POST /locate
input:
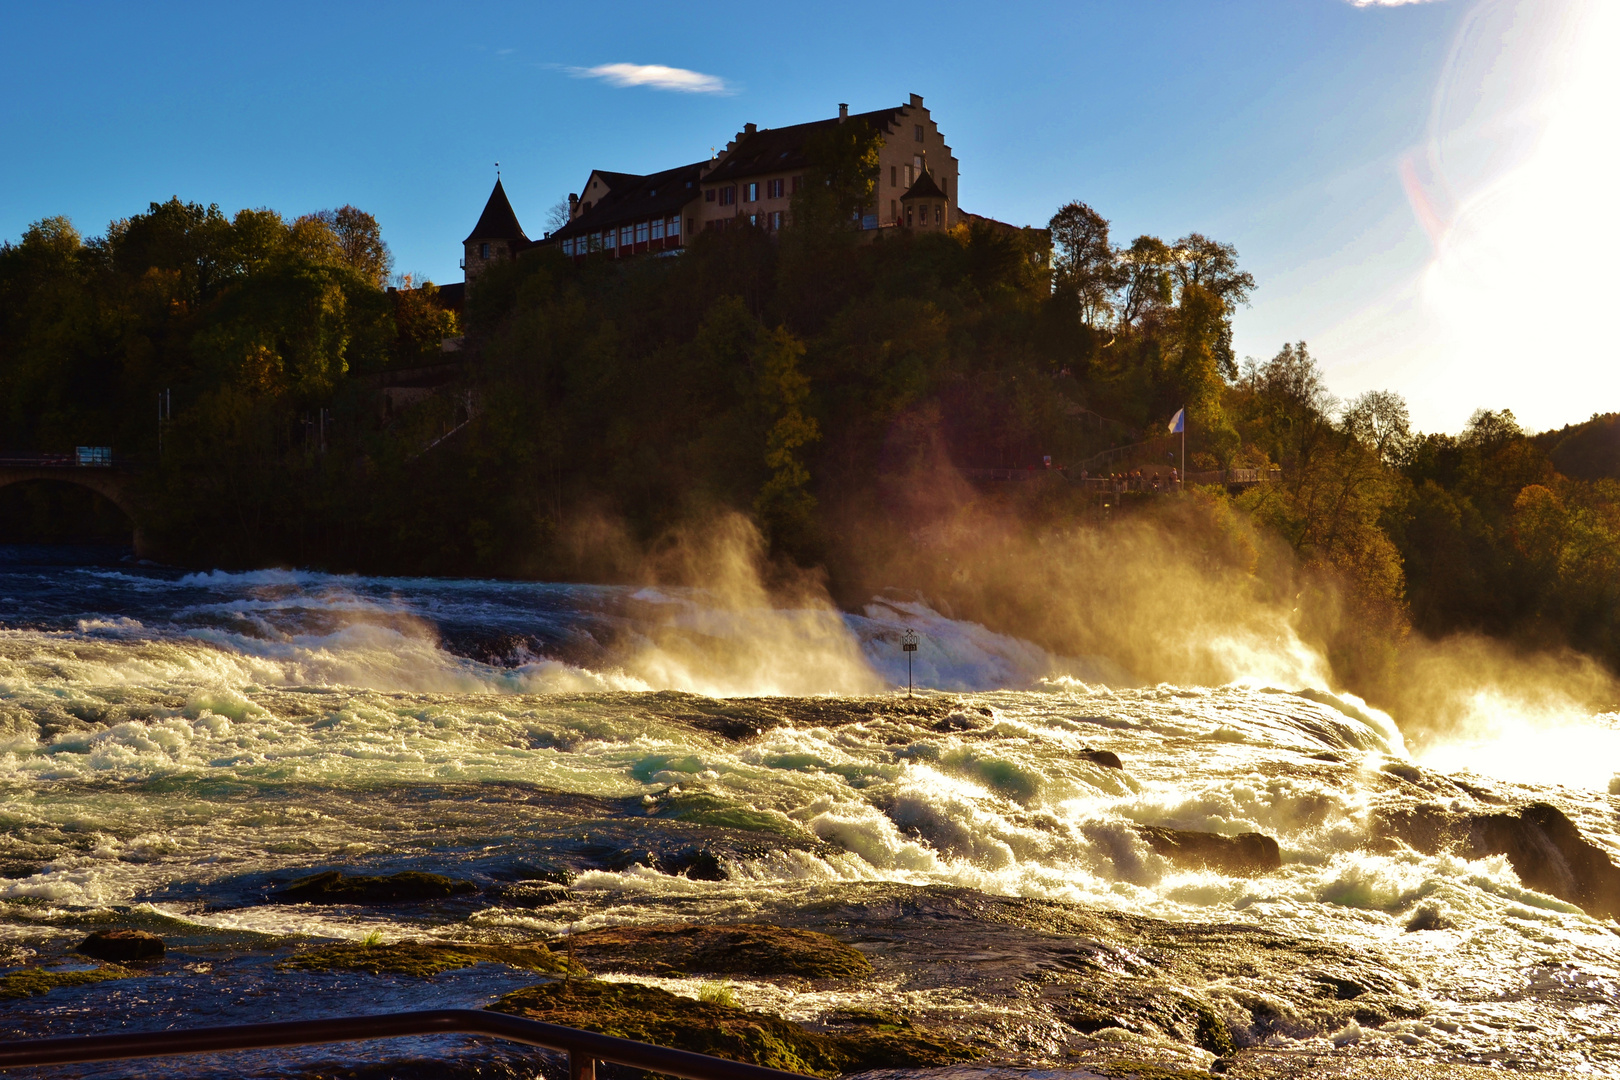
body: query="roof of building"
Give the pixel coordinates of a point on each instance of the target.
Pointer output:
(777, 149)
(633, 198)
(924, 188)
(497, 222)
(615, 179)
(967, 217)
(453, 295)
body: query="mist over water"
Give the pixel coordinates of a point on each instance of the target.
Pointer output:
(175, 741)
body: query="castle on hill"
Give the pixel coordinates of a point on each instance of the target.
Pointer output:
(751, 183)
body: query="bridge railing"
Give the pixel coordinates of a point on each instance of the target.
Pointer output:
(584, 1048)
(83, 457)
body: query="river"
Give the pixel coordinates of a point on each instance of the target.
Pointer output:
(176, 747)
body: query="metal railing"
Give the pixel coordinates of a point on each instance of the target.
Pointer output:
(84, 457)
(584, 1048)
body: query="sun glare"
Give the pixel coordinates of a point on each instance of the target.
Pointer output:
(1522, 279)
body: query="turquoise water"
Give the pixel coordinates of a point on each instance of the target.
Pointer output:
(175, 747)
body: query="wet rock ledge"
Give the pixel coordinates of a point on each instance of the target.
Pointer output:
(648, 1014)
(425, 958)
(739, 949)
(1544, 847)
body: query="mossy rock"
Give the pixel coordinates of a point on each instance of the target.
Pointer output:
(650, 1015)
(35, 980)
(332, 887)
(122, 946)
(424, 958)
(1147, 1070)
(739, 949)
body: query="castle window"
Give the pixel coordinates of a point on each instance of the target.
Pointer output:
(774, 188)
(917, 161)
(675, 225)
(751, 194)
(728, 196)
(641, 232)
(658, 229)
(483, 251)
(568, 246)
(776, 217)
(708, 196)
(908, 217)
(911, 177)
(918, 129)
(939, 214)
(626, 235)
(894, 176)
(753, 219)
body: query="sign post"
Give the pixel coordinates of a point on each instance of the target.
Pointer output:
(908, 645)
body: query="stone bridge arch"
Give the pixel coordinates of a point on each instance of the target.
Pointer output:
(111, 483)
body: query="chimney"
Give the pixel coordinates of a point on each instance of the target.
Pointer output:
(749, 129)
(916, 101)
(573, 205)
(843, 112)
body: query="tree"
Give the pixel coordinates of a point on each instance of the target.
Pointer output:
(1212, 266)
(842, 178)
(1379, 420)
(421, 322)
(784, 503)
(1086, 266)
(558, 216)
(1289, 406)
(1489, 431)
(359, 242)
(1145, 277)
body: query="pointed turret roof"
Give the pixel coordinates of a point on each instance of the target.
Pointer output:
(497, 222)
(924, 188)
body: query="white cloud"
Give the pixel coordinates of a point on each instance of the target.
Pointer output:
(656, 76)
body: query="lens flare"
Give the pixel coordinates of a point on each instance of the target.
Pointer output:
(1519, 287)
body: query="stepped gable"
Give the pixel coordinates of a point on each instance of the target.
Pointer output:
(635, 198)
(775, 149)
(498, 221)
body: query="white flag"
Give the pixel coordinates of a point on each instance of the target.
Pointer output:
(1178, 422)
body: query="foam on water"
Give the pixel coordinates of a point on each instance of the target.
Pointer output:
(212, 727)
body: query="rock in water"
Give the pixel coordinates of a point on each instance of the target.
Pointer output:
(528, 894)
(122, 946)
(742, 949)
(332, 887)
(423, 958)
(1240, 856)
(1542, 845)
(1550, 855)
(648, 1014)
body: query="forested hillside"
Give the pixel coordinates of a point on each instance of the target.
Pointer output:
(828, 385)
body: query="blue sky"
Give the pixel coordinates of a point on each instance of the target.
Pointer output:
(1279, 125)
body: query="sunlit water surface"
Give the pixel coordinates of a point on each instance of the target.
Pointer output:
(174, 747)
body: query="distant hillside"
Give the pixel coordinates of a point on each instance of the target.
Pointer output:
(1589, 451)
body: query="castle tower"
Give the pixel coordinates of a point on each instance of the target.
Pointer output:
(496, 236)
(924, 205)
